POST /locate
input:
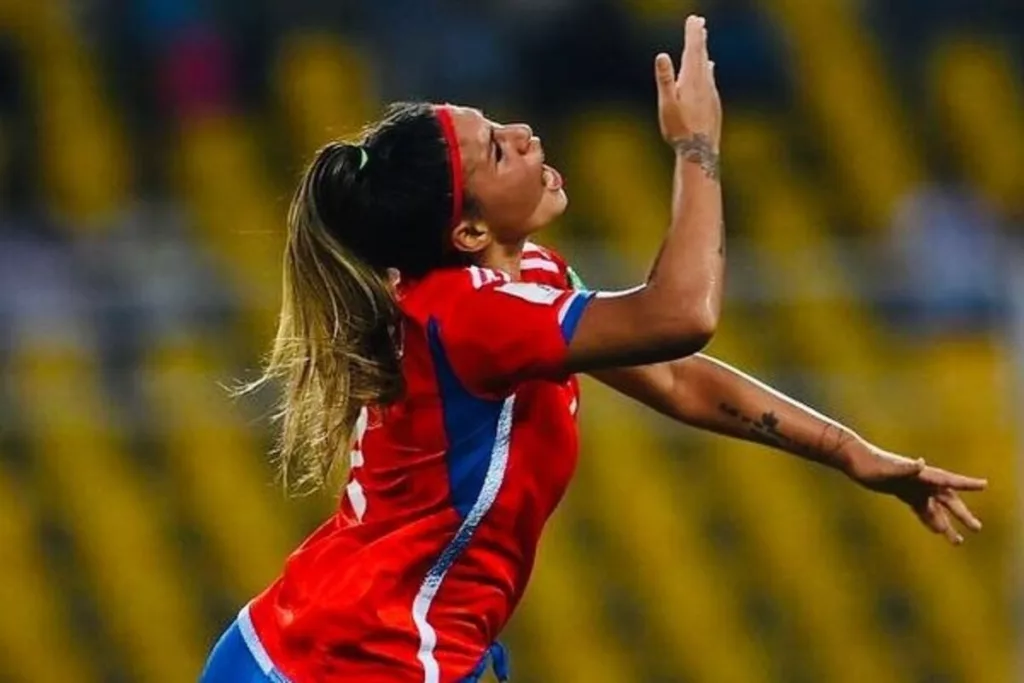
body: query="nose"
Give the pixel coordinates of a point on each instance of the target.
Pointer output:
(522, 135)
(521, 130)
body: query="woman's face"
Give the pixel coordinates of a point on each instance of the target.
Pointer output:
(505, 174)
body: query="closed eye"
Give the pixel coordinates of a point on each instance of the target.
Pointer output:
(496, 151)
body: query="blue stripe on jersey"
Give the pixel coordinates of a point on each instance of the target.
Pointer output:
(471, 425)
(573, 315)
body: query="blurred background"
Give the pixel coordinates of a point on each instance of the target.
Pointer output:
(874, 172)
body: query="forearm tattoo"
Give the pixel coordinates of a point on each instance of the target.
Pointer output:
(699, 150)
(765, 430)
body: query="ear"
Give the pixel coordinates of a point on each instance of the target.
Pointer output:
(471, 237)
(394, 278)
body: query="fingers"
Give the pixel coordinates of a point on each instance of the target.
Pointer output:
(935, 518)
(952, 502)
(926, 514)
(905, 467)
(950, 480)
(934, 513)
(665, 75)
(694, 60)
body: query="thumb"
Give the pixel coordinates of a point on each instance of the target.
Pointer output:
(665, 74)
(905, 467)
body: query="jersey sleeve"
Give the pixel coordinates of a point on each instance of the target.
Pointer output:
(500, 335)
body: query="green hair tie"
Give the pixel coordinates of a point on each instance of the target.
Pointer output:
(364, 158)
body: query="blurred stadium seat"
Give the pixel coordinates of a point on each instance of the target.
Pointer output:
(31, 603)
(857, 120)
(325, 91)
(219, 469)
(116, 521)
(83, 155)
(981, 103)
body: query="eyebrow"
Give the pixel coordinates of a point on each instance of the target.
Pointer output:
(491, 142)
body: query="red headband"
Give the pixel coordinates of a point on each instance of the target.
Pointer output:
(444, 116)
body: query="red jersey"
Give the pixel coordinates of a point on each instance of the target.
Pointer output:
(434, 541)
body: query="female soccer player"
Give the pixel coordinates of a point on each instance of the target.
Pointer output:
(424, 340)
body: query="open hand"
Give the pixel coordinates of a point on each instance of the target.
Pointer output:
(932, 493)
(689, 105)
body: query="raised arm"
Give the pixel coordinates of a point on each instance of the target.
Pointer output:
(712, 396)
(675, 313)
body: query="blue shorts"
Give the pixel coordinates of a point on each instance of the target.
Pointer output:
(233, 661)
(239, 657)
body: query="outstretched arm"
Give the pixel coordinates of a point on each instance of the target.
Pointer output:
(710, 395)
(705, 393)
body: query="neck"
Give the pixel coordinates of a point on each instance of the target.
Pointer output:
(503, 257)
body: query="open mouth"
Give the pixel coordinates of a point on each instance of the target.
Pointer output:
(552, 179)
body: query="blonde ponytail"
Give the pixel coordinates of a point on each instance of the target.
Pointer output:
(336, 348)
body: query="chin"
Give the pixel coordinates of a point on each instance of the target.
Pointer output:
(561, 202)
(556, 204)
(551, 209)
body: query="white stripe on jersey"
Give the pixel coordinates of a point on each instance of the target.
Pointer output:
(493, 480)
(256, 649)
(485, 276)
(539, 264)
(564, 310)
(357, 498)
(354, 490)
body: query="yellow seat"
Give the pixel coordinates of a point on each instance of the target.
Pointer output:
(623, 191)
(832, 333)
(220, 469)
(967, 381)
(785, 512)
(232, 202)
(560, 626)
(324, 88)
(115, 516)
(843, 83)
(979, 99)
(87, 186)
(38, 644)
(653, 520)
(86, 182)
